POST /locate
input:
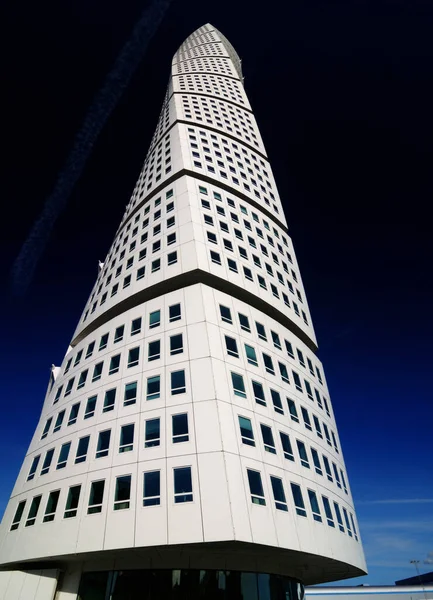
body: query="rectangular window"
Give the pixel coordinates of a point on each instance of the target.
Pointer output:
(308, 389)
(109, 400)
(154, 319)
(338, 515)
(122, 495)
(72, 501)
(319, 376)
(83, 446)
(90, 407)
(182, 485)
(287, 446)
(276, 401)
(303, 454)
(156, 265)
(259, 394)
(269, 366)
(353, 526)
(82, 379)
(73, 415)
(103, 446)
(180, 428)
(68, 366)
(248, 273)
(46, 428)
(298, 500)
(176, 344)
(59, 421)
(114, 364)
(336, 475)
(238, 385)
(246, 429)
(283, 372)
(306, 418)
(251, 355)
(244, 322)
(47, 461)
(297, 381)
(178, 385)
(151, 488)
(318, 399)
(118, 334)
(314, 506)
(63, 456)
(51, 507)
(256, 487)
(328, 511)
(300, 357)
(231, 346)
(292, 410)
(96, 497)
(103, 342)
(130, 395)
(34, 467)
(154, 350)
(276, 340)
(310, 366)
(174, 313)
(58, 394)
(327, 468)
(317, 426)
(18, 515)
(268, 439)
(261, 331)
(289, 349)
(152, 433)
(279, 495)
(325, 402)
(90, 349)
(172, 258)
(215, 257)
(316, 461)
(343, 479)
(133, 357)
(334, 441)
(136, 326)
(126, 438)
(346, 519)
(153, 387)
(140, 273)
(97, 371)
(326, 430)
(226, 314)
(33, 512)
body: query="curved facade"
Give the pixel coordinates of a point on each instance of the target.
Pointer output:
(190, 425)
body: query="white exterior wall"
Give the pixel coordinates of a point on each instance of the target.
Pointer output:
(221, 510)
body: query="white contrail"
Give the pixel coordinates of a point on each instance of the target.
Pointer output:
(102, 106)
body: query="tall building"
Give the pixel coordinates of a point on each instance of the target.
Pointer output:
(187, 446)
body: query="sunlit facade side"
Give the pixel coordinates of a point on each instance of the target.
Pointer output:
(187, 444)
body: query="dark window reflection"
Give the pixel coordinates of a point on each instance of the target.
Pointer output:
(187, 584)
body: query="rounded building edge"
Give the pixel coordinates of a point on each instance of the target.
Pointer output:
(310, 569)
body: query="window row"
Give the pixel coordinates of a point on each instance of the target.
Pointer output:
(183, 492)
(248, 438)
(182, 483)
(280, 502)
(244, 323)
(137, 326)
(152, 438)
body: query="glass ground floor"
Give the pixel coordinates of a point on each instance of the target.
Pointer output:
(187, 584)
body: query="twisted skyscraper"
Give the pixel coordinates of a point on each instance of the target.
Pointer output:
(187, 446)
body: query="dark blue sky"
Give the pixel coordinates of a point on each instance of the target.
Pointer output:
(342, 92)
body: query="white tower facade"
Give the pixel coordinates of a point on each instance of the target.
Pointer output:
(187, 446)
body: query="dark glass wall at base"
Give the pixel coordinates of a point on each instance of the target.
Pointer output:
(187, 584)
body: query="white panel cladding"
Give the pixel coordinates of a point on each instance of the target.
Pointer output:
(193, 362)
